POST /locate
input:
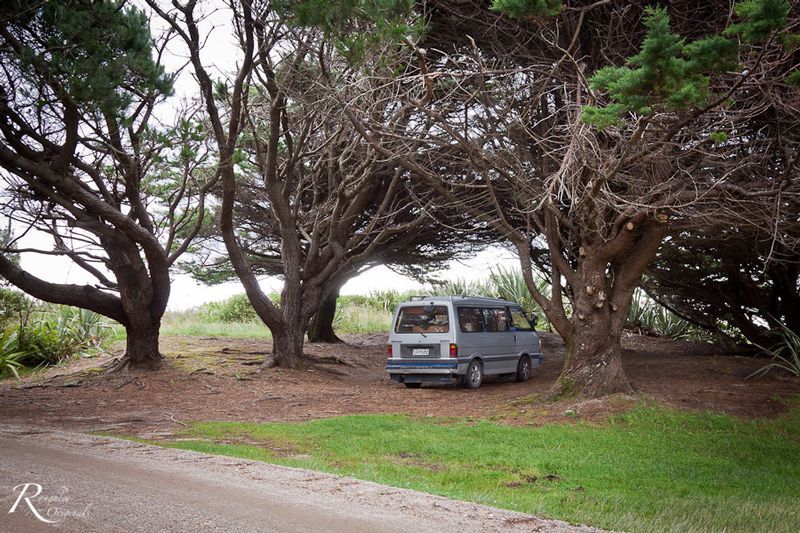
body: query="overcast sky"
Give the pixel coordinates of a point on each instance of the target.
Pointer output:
(187, 293)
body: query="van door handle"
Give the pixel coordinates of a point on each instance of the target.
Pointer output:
(515, 337)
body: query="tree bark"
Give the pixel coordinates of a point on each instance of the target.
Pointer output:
(320, 329)
(593, 366)
(287, 346)
(141, 347)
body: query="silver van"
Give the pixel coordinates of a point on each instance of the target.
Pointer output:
(440, 339)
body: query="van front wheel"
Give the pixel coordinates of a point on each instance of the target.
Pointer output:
(524, 368)
(474, 377)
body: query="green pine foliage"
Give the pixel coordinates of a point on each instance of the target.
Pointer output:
(669, 74)
(793, 78)
(762, 18)
(666, 74)
(524, 9)
(718, 137)
(95, 50)
(354, 25)
(332, 15)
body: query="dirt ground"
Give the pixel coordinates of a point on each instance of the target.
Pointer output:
(220, 379)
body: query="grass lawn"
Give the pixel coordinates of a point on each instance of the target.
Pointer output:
(651, 469)
(351, 318)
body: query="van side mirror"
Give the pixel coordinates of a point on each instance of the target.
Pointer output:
(534, 319)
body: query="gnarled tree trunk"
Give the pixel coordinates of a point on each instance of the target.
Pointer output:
(287, 346)
(141, 345)
(602, 287)
(593, 366)
(320, 329)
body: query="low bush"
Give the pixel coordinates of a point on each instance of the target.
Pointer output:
(785, 354)
(43, 343)
(356, 317)
(13, 306)
(648, 317)
(36, 334)
(237, 308)
(10, 354)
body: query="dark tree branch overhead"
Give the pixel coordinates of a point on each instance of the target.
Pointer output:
(83, 296)
(541, 131)
(303, 195)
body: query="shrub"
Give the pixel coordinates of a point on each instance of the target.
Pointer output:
(43, 343)
(360, 318)
(13, 306)
(237, 308)
(388, 300)
(463, 287)
(10, 354)
(509, 284)
(651, 318)
(83, 326)
(44, 334)
(785, 354)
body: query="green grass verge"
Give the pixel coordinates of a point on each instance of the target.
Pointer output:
(187, 326)
(350, 318)
(651, 469)
(354, 318)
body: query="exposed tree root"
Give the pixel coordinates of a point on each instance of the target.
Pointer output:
(270, 362)
(124, 363)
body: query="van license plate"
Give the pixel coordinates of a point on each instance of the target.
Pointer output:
(421, 351)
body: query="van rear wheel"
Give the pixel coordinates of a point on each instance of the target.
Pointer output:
(524, 369)
(474, 377)
(413, 385)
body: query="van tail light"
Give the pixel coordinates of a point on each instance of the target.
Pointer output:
(389, 351)
(453, 350)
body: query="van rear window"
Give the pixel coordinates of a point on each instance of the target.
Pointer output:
(423, 319)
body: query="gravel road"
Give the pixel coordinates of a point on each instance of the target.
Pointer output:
(104, 484)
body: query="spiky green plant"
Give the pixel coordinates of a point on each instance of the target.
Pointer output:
(10, 354)
(645, 315)
(785, 354)
(464, 287)
(82, 326)
(509, 284)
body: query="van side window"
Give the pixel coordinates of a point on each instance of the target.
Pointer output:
(470, 319)
(519, 320)
(503, 323)
(496, 320)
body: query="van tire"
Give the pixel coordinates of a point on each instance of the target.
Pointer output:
(524, 369)
(474, 376)
(412, 385)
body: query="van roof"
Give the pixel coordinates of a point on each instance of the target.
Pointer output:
(476, 300)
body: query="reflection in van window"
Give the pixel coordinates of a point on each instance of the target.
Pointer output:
(496, 320)
(423, 319)
(470, 319)
(520, 320)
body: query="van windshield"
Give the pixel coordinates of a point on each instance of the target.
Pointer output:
(423, 319)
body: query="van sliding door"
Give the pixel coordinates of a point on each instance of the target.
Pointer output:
(499, 341)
